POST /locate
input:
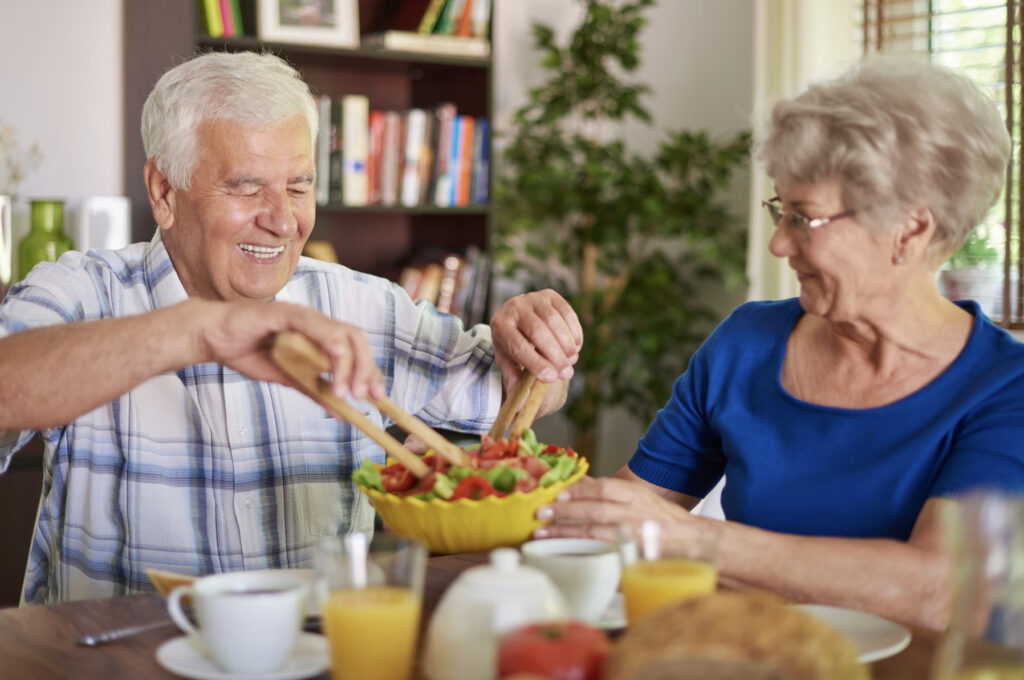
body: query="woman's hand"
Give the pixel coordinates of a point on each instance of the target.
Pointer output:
(597, 508)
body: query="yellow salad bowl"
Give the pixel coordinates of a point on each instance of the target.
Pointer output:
(468, 525)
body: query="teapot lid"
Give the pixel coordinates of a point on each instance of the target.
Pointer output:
(505, 572)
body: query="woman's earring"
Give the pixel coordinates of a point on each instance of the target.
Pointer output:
(897, 259)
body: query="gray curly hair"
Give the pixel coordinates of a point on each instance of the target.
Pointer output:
(898, 133)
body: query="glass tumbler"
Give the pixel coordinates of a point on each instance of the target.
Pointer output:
(985, 638)
(370, 600)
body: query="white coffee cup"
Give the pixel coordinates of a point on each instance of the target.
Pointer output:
(587, 572)
(248, 621)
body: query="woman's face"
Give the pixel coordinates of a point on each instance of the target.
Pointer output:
(844, 269)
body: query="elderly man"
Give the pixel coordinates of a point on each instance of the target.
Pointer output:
(172, 441)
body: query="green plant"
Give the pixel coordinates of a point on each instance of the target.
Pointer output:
(975, 252)
(633, 241)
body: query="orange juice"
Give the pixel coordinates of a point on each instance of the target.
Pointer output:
(647, 586)
(372, 632)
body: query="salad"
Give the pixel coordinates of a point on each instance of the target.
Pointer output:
(497, 467)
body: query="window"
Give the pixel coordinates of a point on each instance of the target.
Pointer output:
(982, 39)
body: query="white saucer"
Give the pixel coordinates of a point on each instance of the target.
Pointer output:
(877, 638)
(614, 616)
(183, 656)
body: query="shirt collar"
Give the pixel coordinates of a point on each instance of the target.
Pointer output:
(162, 280)
(165, 288)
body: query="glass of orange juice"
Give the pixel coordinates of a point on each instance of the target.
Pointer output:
(659, 570)
(370, 594)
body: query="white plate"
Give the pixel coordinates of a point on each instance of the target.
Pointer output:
(877, 638)
(183, 656)
(614, 616)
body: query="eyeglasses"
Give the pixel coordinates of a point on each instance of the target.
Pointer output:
(801, 223)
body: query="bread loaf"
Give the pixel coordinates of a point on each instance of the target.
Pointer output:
(733, 636)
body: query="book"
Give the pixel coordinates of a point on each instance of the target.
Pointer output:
(374, 156)
(213, 23)
(465, 164)
(481, 20)
(449, 17)
(236, 18)
(479, 191)
(444, 124)
(227, 18)
(391, 158)
(323, 151)
(430, 16)
(337, 163)
(355, 111)
(447, 45)
(446, 186)
(426, 159)
(449, 279)
(430, 283)
(464, 25)
(477, 306)
(464, 284)
(415, 128)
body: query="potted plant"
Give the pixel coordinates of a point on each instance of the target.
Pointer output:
(973, 273)
(633, 241)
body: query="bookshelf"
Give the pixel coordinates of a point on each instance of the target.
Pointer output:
(377, 239)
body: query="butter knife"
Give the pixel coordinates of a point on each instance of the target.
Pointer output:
(119, 633)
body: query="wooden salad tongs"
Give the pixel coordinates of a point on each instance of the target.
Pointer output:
(305, 363)
(529, 390)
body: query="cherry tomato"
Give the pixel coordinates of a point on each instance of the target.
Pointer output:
(562, 650)
(474, 488)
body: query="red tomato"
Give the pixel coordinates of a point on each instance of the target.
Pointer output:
(562, 650)
(474, 488)
(422, 485)
(396, 478)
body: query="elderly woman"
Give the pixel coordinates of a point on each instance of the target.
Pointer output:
(847, 420)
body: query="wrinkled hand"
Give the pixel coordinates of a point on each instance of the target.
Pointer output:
(238, 335)
(597, 508)
(538, 331)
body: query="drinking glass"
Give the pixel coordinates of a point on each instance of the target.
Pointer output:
(371, 591)
(985, 638)
(662, 568)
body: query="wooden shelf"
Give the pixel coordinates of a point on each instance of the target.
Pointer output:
(405, 210)
(342, 54)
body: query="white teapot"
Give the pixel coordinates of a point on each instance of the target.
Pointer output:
(483, 603)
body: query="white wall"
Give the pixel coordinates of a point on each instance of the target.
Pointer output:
(698, 60)
(60, 88)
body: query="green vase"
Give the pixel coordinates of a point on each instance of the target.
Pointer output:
(46, 241)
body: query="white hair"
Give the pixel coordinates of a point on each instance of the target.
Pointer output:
(240, 87)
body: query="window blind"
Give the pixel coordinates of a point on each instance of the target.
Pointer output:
(981, 39)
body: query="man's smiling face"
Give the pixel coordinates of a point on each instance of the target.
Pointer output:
(239, 229)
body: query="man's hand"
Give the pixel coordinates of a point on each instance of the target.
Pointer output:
(239, 335)
(540, 332)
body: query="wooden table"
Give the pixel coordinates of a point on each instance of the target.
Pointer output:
(38, 642)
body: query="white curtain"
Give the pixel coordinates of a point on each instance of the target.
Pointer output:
(795, 43)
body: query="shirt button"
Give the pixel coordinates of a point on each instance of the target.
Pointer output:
(248, 502)
(241, 429)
